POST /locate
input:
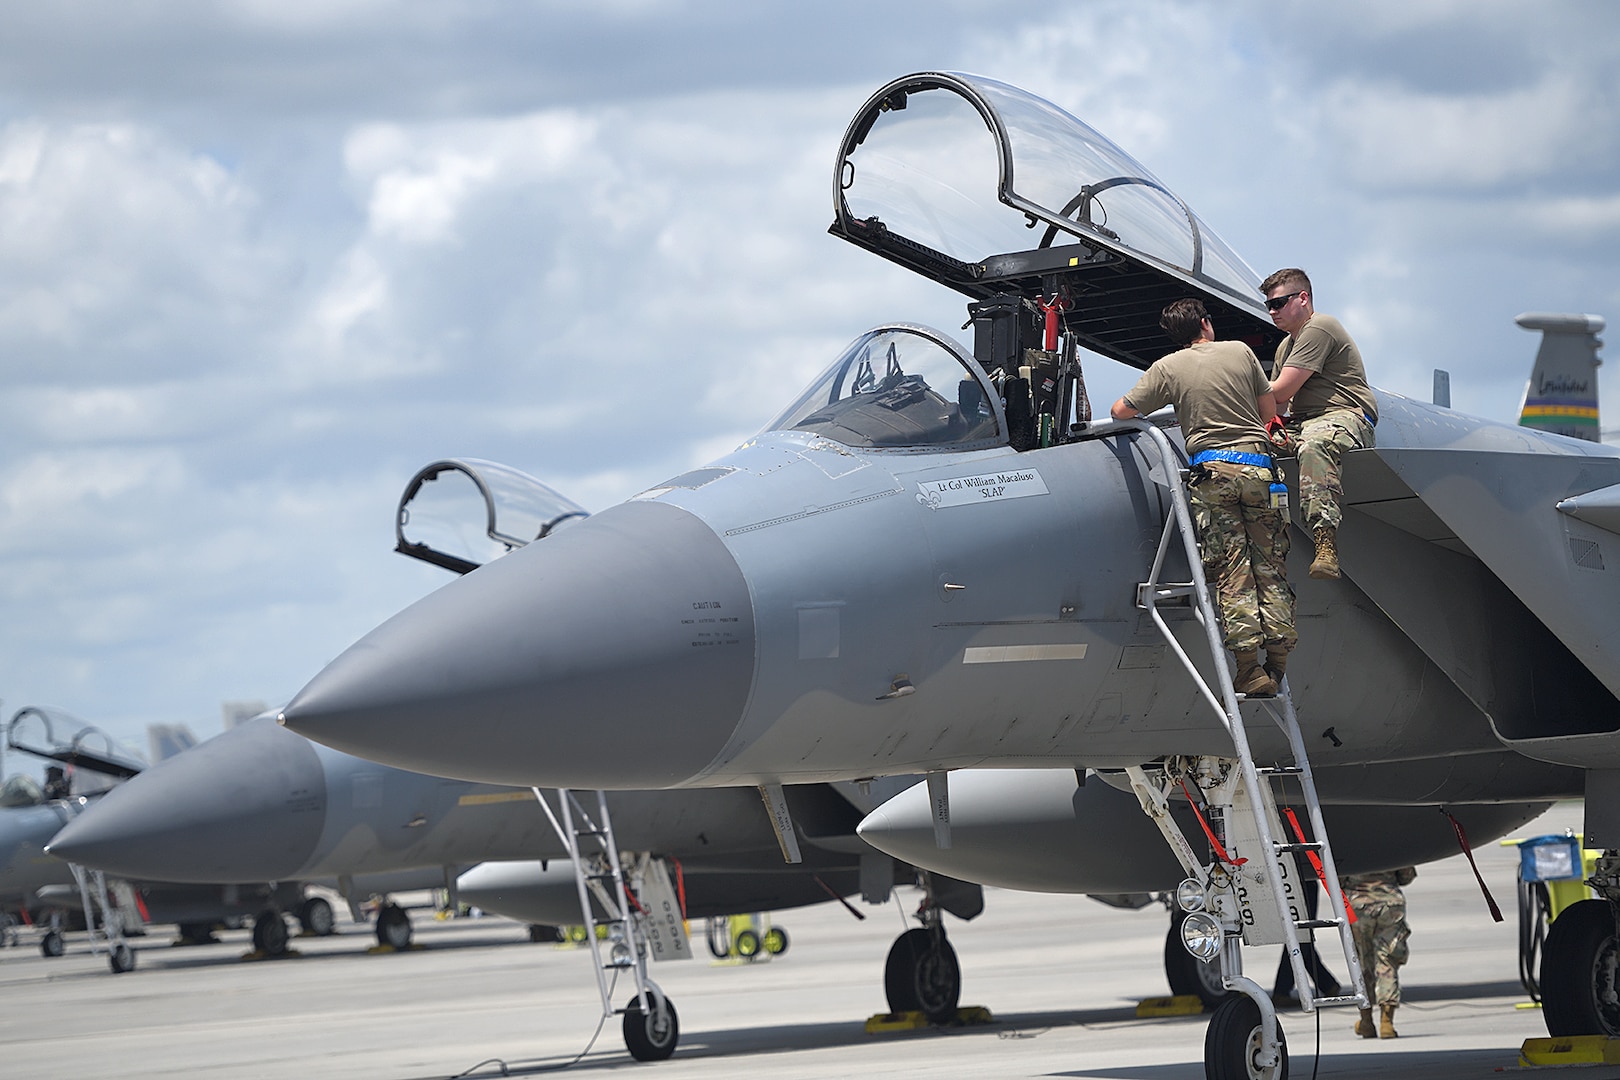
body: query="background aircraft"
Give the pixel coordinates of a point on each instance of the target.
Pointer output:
(47, 890)
(260, 802)
(930, 561)
(1562, 393)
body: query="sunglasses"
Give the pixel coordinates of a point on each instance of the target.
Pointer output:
(1277, 303)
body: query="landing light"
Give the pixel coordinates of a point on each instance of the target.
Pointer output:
(1190, 895)
(1201, 934)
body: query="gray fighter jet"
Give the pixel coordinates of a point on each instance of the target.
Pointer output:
(932, 560)
(58, 894)
(261, 803)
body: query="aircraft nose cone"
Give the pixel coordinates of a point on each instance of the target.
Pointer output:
(246, 806)
(616, 653)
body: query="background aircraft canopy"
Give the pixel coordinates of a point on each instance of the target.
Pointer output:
(990, 189)
(461, 513)
(899, 386)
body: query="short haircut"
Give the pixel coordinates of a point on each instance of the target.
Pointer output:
(1184, 320)
(1291, 277)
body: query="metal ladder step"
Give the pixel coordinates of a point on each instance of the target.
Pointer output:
(1282, 846)
(1184, 591)
(1343, 999)
(1317, 924)
(610, 889)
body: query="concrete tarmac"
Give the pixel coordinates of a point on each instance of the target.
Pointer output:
(1061, 975)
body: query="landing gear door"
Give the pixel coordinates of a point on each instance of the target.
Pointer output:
(463, 512)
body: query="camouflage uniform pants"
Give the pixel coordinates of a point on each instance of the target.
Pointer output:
(1320, 443)
(1380, 932)
(1244, 545)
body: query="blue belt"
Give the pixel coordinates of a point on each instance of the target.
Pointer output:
(1235, 457)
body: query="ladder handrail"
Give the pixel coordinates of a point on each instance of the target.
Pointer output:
(1180, 517)
(1288, 721)
(569, 835)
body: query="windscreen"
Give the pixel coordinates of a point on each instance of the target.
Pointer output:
(897, 387)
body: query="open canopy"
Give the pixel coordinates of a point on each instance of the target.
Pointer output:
(991, 190)
(463, 512)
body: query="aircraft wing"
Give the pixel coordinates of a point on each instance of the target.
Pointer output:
(1530, 518)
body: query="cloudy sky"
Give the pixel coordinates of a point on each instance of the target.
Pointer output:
(260, 260)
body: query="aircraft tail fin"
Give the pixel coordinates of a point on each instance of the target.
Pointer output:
(1562, 394)
(168, 740)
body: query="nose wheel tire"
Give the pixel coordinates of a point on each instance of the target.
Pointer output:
(394, 927)
(776, 941)
(315, 917)
(122, 959)
(1232, 1044)
(921, 975)
(1580, 972)
(270, 933)
(51, 944)
(651, 1036)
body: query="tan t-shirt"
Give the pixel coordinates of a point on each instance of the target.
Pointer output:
(1338, 381)
(1215, 387)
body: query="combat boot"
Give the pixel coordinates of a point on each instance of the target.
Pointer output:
(1251, 679)
(1277, 663)
(1326, 563)
(1364, 1026)
(1386, 1022)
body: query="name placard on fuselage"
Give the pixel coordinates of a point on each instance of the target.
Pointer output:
(983, 487)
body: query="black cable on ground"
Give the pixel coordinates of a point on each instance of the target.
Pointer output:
(506, 1070)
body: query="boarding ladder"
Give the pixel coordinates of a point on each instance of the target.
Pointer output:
(1261, 905)
(599, 874)
(103, 923)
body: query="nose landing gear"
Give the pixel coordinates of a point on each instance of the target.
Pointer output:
(921, 973)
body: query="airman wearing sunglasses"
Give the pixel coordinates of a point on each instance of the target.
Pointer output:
(1319, 380)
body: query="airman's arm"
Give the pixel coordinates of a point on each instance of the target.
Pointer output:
(1287, 384)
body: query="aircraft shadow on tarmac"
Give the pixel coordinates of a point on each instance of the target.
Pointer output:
(1435, 1064)
(793, 1038)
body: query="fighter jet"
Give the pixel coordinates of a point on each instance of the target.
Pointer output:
(40, 886)
(261, 803)
(933, 560)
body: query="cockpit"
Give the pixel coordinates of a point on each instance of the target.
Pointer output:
(899, 386)
(1063, 243)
